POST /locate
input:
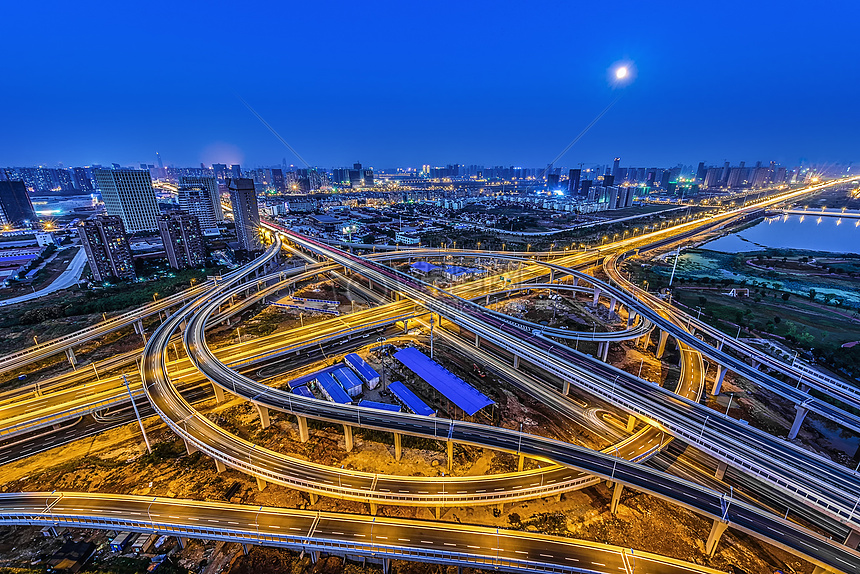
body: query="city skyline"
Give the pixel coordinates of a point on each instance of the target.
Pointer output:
(493, 86)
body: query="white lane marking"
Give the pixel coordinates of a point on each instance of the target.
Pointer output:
(598, 564)
(449, 544)
(547, 555)
(403, 539)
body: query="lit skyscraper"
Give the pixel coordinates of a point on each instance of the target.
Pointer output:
(106, 246)
(15, 205)
(246, 214)
(128, 194)
(615, 165)
(183, 241)
(211, 184)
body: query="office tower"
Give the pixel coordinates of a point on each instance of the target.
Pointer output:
(615, 166)
(196, 200)
(235, 171)
(128, 193)
(210, 184)
(82, 181)
(278, 180)
(700, 173)
(355, 177)
(15, 205)
(106, 245)
(356, 166)
(665, 178)
(368, 177)
(552, 180)
(220, 170)
(608, 180)
(573, 181)
(246, 214)
(585, 187)
(183, 240)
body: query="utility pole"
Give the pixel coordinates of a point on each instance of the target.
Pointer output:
(137, 414)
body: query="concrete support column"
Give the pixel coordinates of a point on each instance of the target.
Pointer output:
(315, 556)
(596, 297)
(264, 416)
(552, 276)
(661, 346)
(373, 508)
(566, 388)
(488, 299)
(220, 466)
(71, 356)
(303, 428)
(398, 446)
(261, 483)
(450, 449)
(189, 448)
(631, 423)
(714, 537)
(516, 361)
(718, 381)
(245, 549)
(314, 498)
(386, 564)
(720, 345)
(721, 470)
(347, 437)
(521, 463)
(616, 497)
(477, 341)
(612, 302)
(575, 280)
(219, 393)
(437, 512)
(182, 540)
(798, 420)
(631, 316)
(605, 352)
(138, 327)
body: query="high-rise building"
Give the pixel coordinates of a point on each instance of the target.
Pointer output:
(368, 177)
(211, 184)
(615, 165)
(82, 179)
(183, 240)
(278, 180)
(128, 194)
(220, 170)
(15, 205)
(195, 199)
(573, 181)
(246, 214)
(235, 171)
(106, 245)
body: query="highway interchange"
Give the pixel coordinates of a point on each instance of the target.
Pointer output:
(830, 491)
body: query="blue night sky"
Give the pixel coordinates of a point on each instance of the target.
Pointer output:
(408, 83)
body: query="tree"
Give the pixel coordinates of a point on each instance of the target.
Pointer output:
(702, 300)
(785, 296)
(828, 297)
(812, 293)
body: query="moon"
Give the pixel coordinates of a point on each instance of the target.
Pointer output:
(621, 73)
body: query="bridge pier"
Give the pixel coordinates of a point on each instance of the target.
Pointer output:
(603, 350)
(71, 356)
(189, 448)
(261, 483)
(386, 565)
(477, 341)
(450, 449)
(521, 463)
(437, 512)
(612, 302)
(566, 388)
(631, 316)
(138, 327)
(616, 497)
(661, 346)
(596, 297)
(182, 540)
(398, 446)
(245, 549)
(303, 428)
(347, 437)
(721, 470)
(575, 282)
(516, 361)
(220, 466)
(714, 537)
(314, 498)
(219, 393)
(373, 508)
(265, 421)
(798, 421)
(631, 423)
(718, 380)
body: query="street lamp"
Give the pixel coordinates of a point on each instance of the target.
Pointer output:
(154, 296)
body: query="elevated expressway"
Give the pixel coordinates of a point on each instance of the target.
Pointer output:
(253, 460)
(311, 532)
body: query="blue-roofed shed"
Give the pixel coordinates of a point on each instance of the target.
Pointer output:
(409, 400)
(303, 391)
(379, 406)
(458, 391)
(347, 379)
(331, 389)
(364, 371)
(423, 267)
